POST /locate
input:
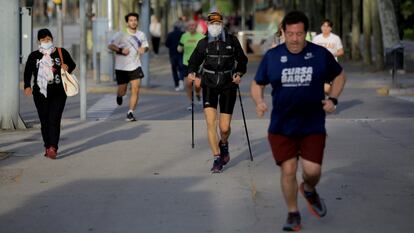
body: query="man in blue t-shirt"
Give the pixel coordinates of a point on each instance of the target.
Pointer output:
(297, 71)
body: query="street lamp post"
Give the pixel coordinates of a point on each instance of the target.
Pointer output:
(59, 25)
(144, 27)
(82, 54)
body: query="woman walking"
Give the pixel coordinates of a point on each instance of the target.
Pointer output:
(49, 96)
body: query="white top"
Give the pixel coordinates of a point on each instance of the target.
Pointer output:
(133, 41)
(332, 42)
(155, 29)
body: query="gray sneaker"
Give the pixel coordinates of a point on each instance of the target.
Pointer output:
(217, 165)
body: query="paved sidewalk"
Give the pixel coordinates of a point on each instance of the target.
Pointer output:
(144, 177)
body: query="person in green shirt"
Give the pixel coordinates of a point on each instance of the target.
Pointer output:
(188, 43)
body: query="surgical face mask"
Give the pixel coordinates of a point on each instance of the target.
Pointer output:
(46, 45)
(214, 29)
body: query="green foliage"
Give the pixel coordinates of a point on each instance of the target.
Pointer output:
(407, 9)
(409, 34)
(226, 7)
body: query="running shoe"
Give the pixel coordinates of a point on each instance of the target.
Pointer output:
(224, 152)
(119, 100)
(217, 165)
(316, 205)
(181, 85)
(130, 117)
(51, 152)
(292, 222)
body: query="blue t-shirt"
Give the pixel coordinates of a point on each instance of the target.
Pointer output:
(298, 88)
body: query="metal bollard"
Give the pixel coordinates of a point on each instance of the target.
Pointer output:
(98, 68)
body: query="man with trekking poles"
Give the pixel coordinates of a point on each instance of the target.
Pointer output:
(217, 65)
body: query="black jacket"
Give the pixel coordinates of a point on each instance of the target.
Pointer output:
(216, 59)
(32, 68)
(172, 41)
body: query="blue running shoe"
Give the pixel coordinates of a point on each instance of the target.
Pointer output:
(293, 222)
(316, 205)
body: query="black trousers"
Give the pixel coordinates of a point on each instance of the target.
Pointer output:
(155, 44)
(50, 114)
(177, 68)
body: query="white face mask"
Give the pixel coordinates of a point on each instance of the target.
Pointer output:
(214, 29)
(46, 45)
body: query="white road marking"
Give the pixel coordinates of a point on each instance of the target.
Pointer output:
(103, 109)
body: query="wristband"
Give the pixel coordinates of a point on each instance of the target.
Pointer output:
(119, 51)
(334, 100)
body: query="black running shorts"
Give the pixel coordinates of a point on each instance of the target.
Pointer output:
(225, 97)
(124, 77)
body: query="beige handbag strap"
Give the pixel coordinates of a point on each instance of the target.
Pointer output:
(60, 55)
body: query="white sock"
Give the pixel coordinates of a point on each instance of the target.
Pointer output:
(130, 111)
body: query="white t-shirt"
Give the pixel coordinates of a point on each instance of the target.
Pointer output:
(332, 42)
(155, 29)
(133, 41)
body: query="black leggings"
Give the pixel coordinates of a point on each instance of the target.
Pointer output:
(50, 114)
(225, 97)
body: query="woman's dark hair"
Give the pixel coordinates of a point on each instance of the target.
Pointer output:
(133, 14)
(295, 17)
(330, 24)
(42, 33)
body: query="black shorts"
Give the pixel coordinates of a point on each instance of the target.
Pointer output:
(226, 97)
(124, 77)
(185, 71)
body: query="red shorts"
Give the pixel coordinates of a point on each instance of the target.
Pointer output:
(308, 147)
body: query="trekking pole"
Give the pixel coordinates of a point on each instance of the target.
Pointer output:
(245, 125)
(192, 114)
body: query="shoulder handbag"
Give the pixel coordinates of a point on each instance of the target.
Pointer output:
(69, 81)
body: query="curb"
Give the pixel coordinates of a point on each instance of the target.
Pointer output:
(391, 91)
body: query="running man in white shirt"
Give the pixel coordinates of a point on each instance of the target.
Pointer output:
(128, 46)
(330, 41)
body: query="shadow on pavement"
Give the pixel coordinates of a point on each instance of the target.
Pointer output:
(115, 205)
(347, 105)
(109, 137)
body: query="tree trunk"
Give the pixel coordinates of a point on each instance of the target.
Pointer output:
(289, 5)
(319, 14)
(367, 27)
(327, 9)
(335, 16)
(308, 8)
(376, 30)
(9, 66)
(346, 27)
(356, 29)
